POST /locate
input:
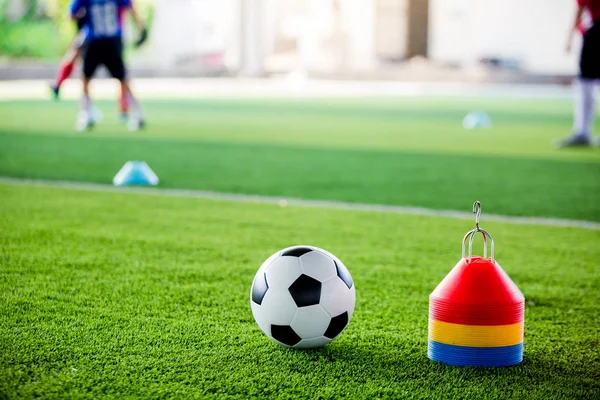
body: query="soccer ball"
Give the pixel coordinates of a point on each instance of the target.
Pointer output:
(302, 297)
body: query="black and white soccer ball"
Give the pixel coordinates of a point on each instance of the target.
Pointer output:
(302, 297)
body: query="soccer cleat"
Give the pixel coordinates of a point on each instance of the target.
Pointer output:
(55, 91)
(84, 121)
(135, 124)
(96, 114)
(573, 141)
(123, 118)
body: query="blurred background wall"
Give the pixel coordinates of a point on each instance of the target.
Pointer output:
(257, 37)
(531, 32)
(332, 35)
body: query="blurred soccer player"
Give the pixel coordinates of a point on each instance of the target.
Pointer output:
(589, 74)
(104, 19)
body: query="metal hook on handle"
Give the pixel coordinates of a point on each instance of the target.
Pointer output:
(477, 212)
(464, 242)
(485, 236)
(471, 235)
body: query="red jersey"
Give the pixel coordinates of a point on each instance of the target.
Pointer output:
(593, 6)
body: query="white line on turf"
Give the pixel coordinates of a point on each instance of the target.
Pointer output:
(280, 87)
(299, 202)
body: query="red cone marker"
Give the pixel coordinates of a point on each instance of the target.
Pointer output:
(476, 313)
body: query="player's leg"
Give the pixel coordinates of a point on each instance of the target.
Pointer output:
(590, 76)
(68, 63)
(91, 60)
(583, 115)
(136, 118)
(115, 65)
(584, 109)
(584, 103)
(594, 65)
(84, 118)
(64, 71)
(124, 105)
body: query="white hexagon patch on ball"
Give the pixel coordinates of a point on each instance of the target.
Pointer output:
(302, 297)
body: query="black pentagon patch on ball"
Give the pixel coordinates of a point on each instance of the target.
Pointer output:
(285, 334)
(344, 275)
(305, 291)
(259, 288)
(296, 251)
(337, 325)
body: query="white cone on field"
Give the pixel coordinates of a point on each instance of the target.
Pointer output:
(135, 173)
(477, 119)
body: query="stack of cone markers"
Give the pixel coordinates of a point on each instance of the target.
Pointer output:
(476, 313)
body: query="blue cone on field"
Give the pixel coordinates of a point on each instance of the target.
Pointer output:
(477, 119)
(135, 173)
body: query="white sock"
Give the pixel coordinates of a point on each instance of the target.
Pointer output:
(85, 103)
(584, 107)
(137, 109)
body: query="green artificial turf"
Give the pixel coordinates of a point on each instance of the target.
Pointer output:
(410, 152)
(120, 296)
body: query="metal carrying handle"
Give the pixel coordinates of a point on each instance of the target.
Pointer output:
(471, 235)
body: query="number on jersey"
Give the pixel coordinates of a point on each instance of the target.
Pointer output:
(105, 19)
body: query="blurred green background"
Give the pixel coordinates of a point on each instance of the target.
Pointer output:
(42, 29)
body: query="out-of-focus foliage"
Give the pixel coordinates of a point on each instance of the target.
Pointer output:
(30, 39)
(27, 32)
(45, 30)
